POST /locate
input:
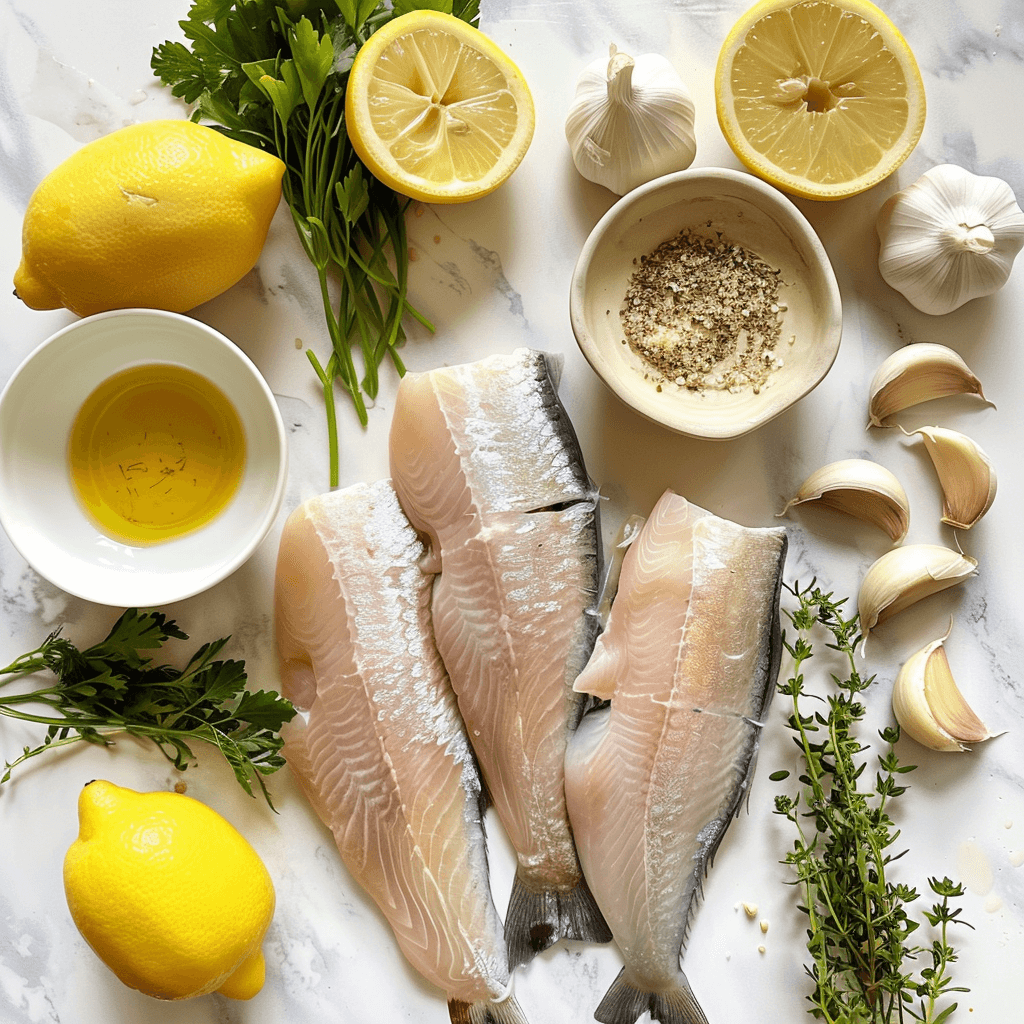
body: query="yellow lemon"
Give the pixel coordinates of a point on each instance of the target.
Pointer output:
(435, 110)
(163, 214)
(171, 898)
(821, 98)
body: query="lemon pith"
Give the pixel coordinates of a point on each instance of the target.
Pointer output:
(435, 110)
(167, 893)
(162, 214)
(822, 98)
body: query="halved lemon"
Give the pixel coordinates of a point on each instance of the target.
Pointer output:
(821, 98)
(435, 110)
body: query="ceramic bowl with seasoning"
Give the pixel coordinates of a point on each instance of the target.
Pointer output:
(144, 458)
(706, 302)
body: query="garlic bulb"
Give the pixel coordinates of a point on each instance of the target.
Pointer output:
(929, 705)
(631, 121)
(950, 237)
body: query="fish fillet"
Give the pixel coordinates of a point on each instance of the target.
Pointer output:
(384, 758)
(688, 663)
(487, 467)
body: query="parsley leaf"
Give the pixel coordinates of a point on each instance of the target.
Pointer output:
(273, 73)
(113, 687)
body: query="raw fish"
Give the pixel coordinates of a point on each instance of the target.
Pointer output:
(384, 758)
(688, 662)
(487, 466)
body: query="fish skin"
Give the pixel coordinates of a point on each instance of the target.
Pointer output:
(688, 663)
(384, 758)
(487, 467)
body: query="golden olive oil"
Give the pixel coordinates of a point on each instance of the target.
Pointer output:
(155, 452)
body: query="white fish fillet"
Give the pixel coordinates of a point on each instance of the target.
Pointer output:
(688, 662)
(487, 466)
(384, 758)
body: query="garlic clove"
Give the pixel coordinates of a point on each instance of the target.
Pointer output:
(930, 707)
(862, 489)
(906, 575)
(631, 120)
(950, 237)
(918, 373)
(965, 472)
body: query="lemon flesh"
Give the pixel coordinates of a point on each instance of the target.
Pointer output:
(435, 110)
(163, 215)
(168, 894)
(822, 98)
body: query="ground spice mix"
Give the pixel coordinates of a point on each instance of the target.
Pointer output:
(704, 314)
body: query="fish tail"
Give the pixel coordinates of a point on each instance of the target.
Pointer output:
(538, 919)
(504, 1011)
(623, 1004)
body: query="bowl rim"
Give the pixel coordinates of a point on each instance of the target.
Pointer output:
(767, 198)
(152, 591)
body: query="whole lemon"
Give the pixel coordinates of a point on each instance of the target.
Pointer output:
(169, 895)
(163, 214)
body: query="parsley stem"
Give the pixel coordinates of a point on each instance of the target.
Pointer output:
(112, 688)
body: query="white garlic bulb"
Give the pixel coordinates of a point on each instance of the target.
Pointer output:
(950, 237)
(630, 121)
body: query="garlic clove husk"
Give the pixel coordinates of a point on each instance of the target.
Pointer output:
(965, 472)
(918, 373)
(631, 120)
(950, 237)
(929, 705)
(906, 575)
(860, 488)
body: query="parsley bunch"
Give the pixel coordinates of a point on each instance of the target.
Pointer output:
(112, 687)
(273, 73)
(859, 932)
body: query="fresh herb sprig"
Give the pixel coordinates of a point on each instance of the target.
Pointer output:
(273, 73)
(864, 967)
(112, 687)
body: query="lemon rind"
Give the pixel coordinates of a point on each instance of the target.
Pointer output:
(377, 157)
(797, 185)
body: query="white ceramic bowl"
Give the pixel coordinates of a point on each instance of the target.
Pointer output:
(748, 212)
(38, 507)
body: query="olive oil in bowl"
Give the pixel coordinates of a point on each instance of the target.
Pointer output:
(155, 452)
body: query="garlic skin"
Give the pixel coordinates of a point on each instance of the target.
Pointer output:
(631, 120)
(950, 237)
(965, 473)
(918, 373)
(906, 575)
(930, 707)
(862, 489)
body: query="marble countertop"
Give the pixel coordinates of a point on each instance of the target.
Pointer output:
(494, 275)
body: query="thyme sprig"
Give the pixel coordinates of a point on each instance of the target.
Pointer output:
(112, 687)
(863, 963)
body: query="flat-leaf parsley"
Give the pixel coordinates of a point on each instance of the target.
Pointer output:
(112, 687)
(273, 73)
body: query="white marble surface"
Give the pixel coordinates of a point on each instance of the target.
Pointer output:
(494, 275)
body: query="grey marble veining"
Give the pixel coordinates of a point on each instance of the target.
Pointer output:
(493, 275)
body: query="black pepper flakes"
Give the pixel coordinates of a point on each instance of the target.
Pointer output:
(705, 314)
